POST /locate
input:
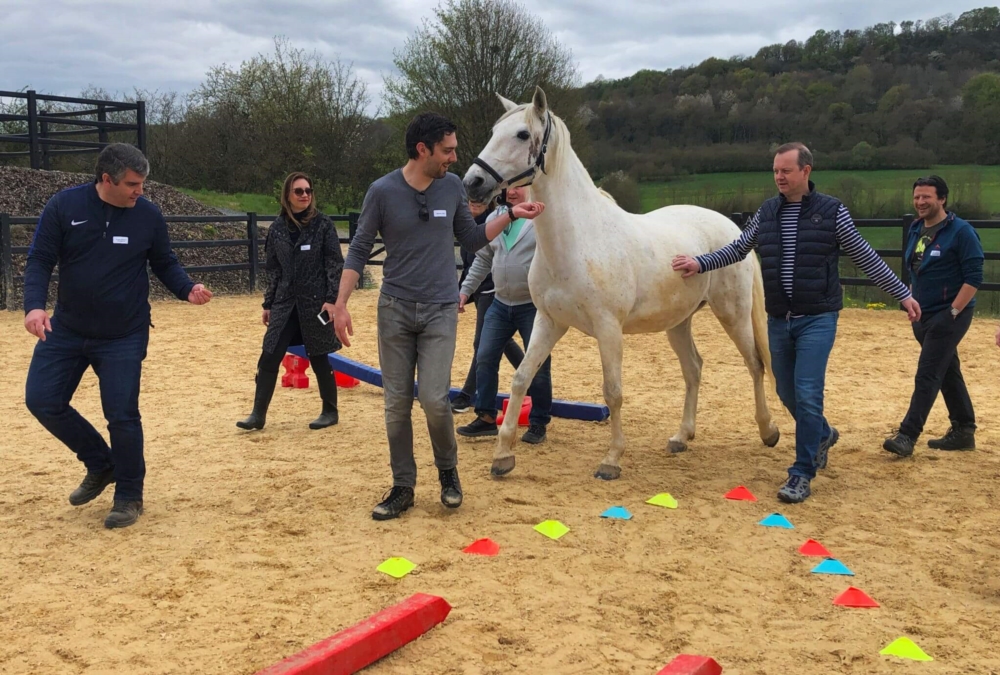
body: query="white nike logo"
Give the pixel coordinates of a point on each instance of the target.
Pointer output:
(74, 223)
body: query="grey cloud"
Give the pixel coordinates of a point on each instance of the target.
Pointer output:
(62, 46)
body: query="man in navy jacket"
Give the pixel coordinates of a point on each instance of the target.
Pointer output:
(101, 235)
(946, 267)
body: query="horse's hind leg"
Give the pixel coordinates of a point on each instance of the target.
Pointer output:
(683, 345)
(740, 330)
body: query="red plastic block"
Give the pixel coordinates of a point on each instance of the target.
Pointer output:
(522, 419)
(295, 375)
(354, 648)
(345, 381)
(688, 664)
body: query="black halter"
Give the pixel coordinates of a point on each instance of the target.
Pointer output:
(532, 171)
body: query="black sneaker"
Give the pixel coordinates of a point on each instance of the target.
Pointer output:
(461, 403)
(451, 488)
(795, 490)
(824, 448)
(963, 438)
(479, 427)
(123, 514)
(399, 499)
(93, 485)
(900, 444)
(535, 434)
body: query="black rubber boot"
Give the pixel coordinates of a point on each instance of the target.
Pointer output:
(261, 400)
(327, 391)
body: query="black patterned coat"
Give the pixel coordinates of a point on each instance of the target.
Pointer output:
(302, 276)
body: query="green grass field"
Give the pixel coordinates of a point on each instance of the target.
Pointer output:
(975, 193)
(871, 194)
(240, 201)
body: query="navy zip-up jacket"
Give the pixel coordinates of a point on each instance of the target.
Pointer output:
(103, 282)
(954, 257)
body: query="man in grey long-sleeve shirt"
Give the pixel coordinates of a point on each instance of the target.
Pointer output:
(419, 210)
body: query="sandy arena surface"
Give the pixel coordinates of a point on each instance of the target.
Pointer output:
(256, 545)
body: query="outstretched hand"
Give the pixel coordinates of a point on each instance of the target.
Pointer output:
(685, 264)
(528, 210)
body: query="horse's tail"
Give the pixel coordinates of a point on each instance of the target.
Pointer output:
(759, 319)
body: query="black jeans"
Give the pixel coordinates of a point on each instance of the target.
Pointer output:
(270, 362)
(511, 350)
(939, 370)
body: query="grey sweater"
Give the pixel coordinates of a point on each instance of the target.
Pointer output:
(419, 255)
(509, 267)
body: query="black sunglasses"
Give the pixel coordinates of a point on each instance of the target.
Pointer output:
(422, 200)
(302, 191)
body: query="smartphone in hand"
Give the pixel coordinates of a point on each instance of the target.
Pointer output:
(324, 317)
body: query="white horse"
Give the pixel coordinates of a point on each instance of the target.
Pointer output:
(607, 272)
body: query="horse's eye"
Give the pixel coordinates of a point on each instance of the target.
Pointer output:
(523, 135)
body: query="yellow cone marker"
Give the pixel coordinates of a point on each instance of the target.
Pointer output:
(396, 567)
(905, 648)
(552, 529)
(663, 499)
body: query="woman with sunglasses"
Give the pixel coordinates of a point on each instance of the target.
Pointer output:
(304, 264)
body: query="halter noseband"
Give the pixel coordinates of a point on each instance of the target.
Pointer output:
(532, 171)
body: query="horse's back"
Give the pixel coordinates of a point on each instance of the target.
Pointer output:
(690, 226)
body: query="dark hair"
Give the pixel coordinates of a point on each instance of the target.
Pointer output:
(286, 200)
(116, 159)
(805, 157)
(935, 182)
(428, 128)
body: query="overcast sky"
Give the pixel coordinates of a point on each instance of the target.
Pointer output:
(62, 46)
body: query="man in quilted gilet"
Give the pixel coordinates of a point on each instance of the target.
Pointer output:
(799, 234)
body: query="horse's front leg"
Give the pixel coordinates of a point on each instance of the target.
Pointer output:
(545, 333)
(610, 342)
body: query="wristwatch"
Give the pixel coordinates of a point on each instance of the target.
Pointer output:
(955, 311)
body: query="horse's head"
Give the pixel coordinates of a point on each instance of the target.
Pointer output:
(515, 153)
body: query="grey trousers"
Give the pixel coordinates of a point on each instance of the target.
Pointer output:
(417, 339)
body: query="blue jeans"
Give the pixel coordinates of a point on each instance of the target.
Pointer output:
(56, 367)
(800, 349)
(501, 322)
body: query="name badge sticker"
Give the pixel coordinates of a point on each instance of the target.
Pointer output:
(935, 252)
(440, 213)
(119, 240)
(305, 247)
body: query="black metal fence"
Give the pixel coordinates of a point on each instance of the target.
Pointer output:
(45, 137)
(254, 243)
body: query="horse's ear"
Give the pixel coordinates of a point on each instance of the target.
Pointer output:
(508, 105)
(539, 102)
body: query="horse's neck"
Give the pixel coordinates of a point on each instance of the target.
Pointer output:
(569, 194)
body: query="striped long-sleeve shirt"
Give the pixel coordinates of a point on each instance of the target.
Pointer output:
(848, 238)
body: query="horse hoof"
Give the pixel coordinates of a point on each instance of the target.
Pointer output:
(502, 467)
(608, 472)
(773, 440)
(677, 446)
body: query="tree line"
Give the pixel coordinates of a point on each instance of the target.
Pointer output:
(887, 96)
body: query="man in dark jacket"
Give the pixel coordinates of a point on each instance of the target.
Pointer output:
(482, 298)
(799, 234)
(945, 259)
(101, 235)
